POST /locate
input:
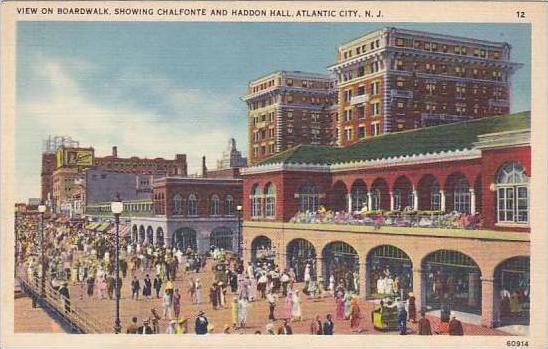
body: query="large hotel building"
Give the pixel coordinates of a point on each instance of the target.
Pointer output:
(394, 79)
(288, 108)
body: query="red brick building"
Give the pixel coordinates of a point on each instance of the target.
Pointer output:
(395, 79)
(449, 209)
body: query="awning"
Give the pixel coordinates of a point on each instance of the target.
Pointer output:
(102, 227)
(92, 226)
(124, 230)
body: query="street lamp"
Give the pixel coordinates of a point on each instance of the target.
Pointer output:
(117, 207)
(42, 210)
(239, 210)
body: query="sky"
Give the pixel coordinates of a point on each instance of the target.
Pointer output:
(156, 89)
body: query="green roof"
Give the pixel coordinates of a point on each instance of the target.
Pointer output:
(436, 139)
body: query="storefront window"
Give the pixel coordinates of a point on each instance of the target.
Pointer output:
(308, 198)
(512, 194)
(270, 201)
(389, 272)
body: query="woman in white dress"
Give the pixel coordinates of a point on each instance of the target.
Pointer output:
(243, 309)
(296, 313)
(332, 284)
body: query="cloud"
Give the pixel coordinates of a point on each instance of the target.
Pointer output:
(62, 106)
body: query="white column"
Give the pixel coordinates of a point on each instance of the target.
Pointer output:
(442, 200)
(349, 197)
(472, 201)
(391, 201)
(415, 200)
(369, 201)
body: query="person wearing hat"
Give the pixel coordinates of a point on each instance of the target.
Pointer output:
(64, 292)
(201, 324)
(455, 326)
(285, 328)
(133, 328)
(424, 325)
(145, 329)
(412, 308)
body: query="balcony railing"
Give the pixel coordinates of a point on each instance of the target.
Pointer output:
(395, 93)
(359, 99)
(432, 119)
(419, 219)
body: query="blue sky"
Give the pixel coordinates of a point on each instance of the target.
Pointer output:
(156, 89)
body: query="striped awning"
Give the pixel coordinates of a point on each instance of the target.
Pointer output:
(102, 227)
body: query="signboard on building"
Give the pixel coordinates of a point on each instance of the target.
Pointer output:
(74, 157)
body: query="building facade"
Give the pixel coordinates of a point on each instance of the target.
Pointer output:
(395, 79)
(288, 108)
(445, 217)
(191, 212)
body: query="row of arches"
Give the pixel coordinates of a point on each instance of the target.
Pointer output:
(447, 276)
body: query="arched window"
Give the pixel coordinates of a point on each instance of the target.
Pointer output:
(229, 205)
(256, 205)
(309, 198)
(214, 205)
(177, 204)
(435, 197)
(359, 198)
(461, 196)
(270, 201)
(512, 185)
(192, 205)
(397, 200)
(376, 200)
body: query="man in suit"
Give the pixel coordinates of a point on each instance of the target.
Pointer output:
(328, 325)
(200, 326)
(285, 328)
(455, 327)
(135, 287)
(145, 329)
(424, 325)
(64, 292)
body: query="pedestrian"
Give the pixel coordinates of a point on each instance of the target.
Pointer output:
(182, 326)
(155, 320)
(167, 305)
(132, 328)
(285, 329)
(147, 287)
(234, 312)
(316, 326)
(65, 296)
(201, 324)
(455, 327)
(243, 309)
(197, 292)
(339, 303)
(157, 285)
(402, 320)
(411, 308)
(176, 303)
(145, 329)
(288, 305)
(135, 287)
(328, 325)
(355, 314)
(171, 328)
(213, 296)
(91, 283)
(285, 281)
(424, 325)
(347, 304)
(271, 299)
(296, 313)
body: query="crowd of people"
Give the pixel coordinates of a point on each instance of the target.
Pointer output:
(84, 259)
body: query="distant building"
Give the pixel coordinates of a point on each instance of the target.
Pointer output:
(288, 108)
(232, 157)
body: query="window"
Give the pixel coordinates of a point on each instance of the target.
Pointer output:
(270, 201)
(375, 87)
(348, 115)
(348, 134)
(461, 196)
(309, 199)
(376, 108)
(214, 205)
(512, 185)
(397, 200)
(229, 205)
(177, 204)
(256, 204)
(289, 82)
(361, 132)
(435, 197)
(375, 200)
(400, 42)
(375, 129)
(192, 209)
(347, 95)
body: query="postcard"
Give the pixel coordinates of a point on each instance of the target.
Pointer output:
(273, 174)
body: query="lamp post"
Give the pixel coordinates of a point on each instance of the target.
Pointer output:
(239, 210)
(117, 207)
(42, 210)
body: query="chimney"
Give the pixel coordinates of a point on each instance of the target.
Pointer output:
(204, 168)
(115, 151)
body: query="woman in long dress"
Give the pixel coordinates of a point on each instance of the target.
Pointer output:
(355, 313)
(243, 308)
(234, 313)
(288, 305)
(339, 302)
(347, 305)
(332, 284)
(296, 313)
